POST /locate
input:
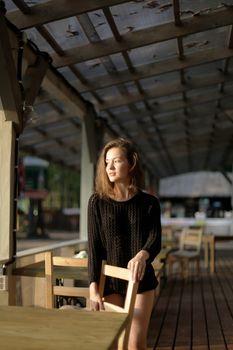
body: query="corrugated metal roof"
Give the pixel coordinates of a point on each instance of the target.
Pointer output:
(157, 72)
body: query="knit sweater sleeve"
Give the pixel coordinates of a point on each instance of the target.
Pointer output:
(153, 243)
(95, 246)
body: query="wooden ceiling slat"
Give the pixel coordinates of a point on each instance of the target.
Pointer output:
(55, 10)
(112, 24)
(157, 68)
(50, 39)
(168, 132)
(176, 11)
(125, 55)
(230, 40)
(93, 36)
(22, 6)
(210, 140)
(174, 87)
(148, 36)
(178, 22)
(167, 122)
(163, 107)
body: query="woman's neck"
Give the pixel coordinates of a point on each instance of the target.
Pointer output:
(122, 192)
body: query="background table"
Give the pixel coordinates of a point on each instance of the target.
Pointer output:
(25, 328)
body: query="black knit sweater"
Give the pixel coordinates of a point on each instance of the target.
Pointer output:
(117, 231)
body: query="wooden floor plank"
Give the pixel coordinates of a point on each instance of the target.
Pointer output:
(224, 294)
(168, 332)
(195, 314)
(199, 325)
(159, 314)
(184, 321)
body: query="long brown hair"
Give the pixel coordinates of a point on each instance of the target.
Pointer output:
(102, 184)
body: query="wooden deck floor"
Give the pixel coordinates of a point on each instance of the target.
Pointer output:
(196, 314)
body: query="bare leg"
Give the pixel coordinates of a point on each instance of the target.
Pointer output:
(119, 300)
(141, 318)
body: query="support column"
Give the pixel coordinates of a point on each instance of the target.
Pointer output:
(10, 119)
(7, 155)
(88, 159)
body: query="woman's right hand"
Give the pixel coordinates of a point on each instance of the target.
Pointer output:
(96, 302)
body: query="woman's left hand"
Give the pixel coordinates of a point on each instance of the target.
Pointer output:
(137, 265)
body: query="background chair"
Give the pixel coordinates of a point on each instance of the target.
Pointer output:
(124, 274)
(167, 233)
(189, 250)
(64, 270)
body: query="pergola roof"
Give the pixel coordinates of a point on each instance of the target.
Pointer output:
(157, 72)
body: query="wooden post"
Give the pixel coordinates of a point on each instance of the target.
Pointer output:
(87, 167)
(10, 119)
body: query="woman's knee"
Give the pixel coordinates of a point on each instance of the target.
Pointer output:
(138, 343)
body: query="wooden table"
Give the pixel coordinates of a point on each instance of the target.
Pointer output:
(27, 328)
(209, 241)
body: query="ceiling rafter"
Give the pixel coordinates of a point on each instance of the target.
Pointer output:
(123, 90)
(144, 37)
(55, 10)
(161, 107)
(167, 86)
(158, 68)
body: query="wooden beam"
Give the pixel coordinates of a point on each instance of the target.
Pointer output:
(61, 90)
(9, 86)
(148, 36)
(53, 119)
(22, 6)
(157, 68)
(55, 83)
(33, 78)
(161, 107)
(174, 87)
(55, 10)
(176, 11)
(7, 158)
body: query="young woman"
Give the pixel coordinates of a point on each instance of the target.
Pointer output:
(124, 229)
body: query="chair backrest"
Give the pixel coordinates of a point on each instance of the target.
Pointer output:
(191, 239)
(124, 274)
(64, 265)
(167, 233)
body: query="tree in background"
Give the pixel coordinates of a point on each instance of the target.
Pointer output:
(64, 187)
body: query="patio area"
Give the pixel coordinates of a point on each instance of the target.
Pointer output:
(197, 313)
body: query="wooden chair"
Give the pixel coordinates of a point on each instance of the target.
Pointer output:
(124, 274)
(167, 233)
(107, 270)
(189, 250)
(52, 290)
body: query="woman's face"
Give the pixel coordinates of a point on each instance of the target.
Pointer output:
(117, 165)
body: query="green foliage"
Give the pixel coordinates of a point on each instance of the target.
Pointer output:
(64, 186)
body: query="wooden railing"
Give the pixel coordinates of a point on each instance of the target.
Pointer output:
(27, 286)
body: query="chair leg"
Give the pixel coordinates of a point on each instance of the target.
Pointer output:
(198, 267)
(123, 339)
(170, 267)
(184, 269)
